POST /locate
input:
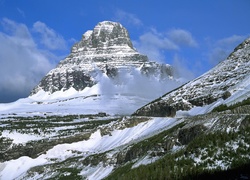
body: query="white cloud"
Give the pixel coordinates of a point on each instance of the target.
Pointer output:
(22, 64)
(127, 17)
(230, 41)
(154, 44)
(132, 82)
(221, 48)
(158, 41)
(49, 38)
(19, 33)
(181, 70)
(182, 38)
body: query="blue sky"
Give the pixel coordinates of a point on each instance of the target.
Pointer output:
(193, 36)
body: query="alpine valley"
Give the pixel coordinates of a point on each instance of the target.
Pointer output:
(108, 112)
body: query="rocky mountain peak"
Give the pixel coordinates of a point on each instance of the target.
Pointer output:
(106, 49)
(105, 35)
(111, 33)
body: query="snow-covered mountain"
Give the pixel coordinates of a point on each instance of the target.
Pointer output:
(103, 73)
(62, 132)
(104, 51)
(228, 81)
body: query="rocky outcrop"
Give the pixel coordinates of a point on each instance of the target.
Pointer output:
(107, 49)
(186, 135)
(220, 82)
(34, 148)
(57, 81)
(245, 124)
(159, 110)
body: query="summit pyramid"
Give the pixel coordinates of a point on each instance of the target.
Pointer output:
(107, 49)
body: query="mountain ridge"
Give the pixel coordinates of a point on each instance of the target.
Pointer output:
(219, 82)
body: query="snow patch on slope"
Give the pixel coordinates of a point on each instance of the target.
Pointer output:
(19, 138)
(96, 144)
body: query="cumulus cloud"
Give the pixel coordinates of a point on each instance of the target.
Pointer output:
(158, 41)
(154, 43)
(182, 37)
(127, 17)
(221, 48)
(49, 38)
(22, 63)
(18, 33)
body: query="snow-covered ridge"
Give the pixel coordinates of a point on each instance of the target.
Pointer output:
(228, 78)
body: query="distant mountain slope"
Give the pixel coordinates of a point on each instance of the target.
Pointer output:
(230, 77)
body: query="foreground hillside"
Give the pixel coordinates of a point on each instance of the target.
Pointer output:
(98, 146)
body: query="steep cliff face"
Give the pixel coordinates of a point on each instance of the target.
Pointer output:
(227, 78)
(106, 49)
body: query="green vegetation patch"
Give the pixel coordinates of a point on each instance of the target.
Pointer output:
(68, 173)
(153, 144)
(208, 153)
(224, 107)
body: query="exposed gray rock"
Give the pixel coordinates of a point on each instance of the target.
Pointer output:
(226, 95)
(186, 135)
(158, 110)
(245, 124)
